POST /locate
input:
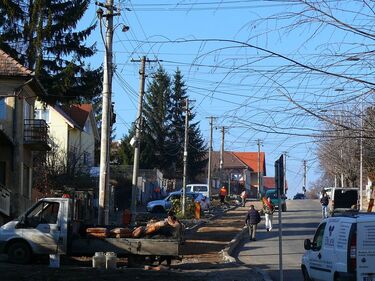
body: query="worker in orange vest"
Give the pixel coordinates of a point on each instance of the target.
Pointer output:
(157, 191)
(222, 193)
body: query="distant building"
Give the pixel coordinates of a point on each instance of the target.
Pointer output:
(239, 171)
(269, 183)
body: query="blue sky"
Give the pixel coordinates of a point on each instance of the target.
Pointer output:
(253, 94)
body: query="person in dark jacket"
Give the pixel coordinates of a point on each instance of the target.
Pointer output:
(252, 220)
(324, 201)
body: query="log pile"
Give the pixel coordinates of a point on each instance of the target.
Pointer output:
(97, 232)
(168, 228)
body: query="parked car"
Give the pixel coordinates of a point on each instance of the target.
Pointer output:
(198, 187)
(343, 248)
(163, 205)
(272, 193)
(299, 196)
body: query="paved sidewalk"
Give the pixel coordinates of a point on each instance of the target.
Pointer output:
(206, 248)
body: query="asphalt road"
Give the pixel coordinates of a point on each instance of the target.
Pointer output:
(298, 223)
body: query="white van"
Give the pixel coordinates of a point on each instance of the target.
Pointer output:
(342, 198)
(343, 248)
(198, 187)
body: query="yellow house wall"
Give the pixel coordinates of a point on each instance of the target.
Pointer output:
(83, 142)
(66, 137)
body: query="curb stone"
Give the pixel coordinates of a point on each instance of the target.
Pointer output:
(203, 221)
(232, 246)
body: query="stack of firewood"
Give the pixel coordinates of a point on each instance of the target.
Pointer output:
(165, 228)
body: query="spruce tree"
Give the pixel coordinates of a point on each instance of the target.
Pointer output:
(41, 35)
(197, 149)
(163, 130)
(156, 126)
(177, 119)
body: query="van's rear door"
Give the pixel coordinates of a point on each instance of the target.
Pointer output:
(366, 248)
(345, 198)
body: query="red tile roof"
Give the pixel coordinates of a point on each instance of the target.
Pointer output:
(251, 160)
(229, 161)
(269, 182)
(78, 113)
(10, 67)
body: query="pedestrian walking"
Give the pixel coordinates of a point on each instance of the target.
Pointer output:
(243, 197)
(268, 209)
(222, 193)
(252, 220)
(324, 201)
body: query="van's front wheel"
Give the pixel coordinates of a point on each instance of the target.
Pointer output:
(305, 274)
(19, 252)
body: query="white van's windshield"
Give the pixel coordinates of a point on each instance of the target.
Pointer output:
(200, 188)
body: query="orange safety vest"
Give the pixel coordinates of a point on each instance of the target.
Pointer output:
(223, 191)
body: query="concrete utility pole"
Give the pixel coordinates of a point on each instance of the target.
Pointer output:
(138, 124)
(259, 142)
(361, 162)
(210, 158)
(284, 183)
(137, 138)
(304, 188)
(185, 156)
(103, 212)
(222, 157)
(341, 152)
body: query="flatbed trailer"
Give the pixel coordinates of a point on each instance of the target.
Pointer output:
(47, 228)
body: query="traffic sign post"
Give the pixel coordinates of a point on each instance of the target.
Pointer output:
(279, 180)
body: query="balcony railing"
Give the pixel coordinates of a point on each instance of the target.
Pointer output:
(4, 200)
(36, 134)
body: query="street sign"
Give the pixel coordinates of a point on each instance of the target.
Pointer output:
(279, 181)
(279, 174)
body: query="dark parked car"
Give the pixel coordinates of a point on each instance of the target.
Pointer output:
(299, 196)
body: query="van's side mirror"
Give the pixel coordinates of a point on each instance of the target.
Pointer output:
(307, 244)
(22, 222)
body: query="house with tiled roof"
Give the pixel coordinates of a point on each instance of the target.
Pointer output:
(20, 135)
(73, 133)
(239, 170)
(270, 183)
(256, 163)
